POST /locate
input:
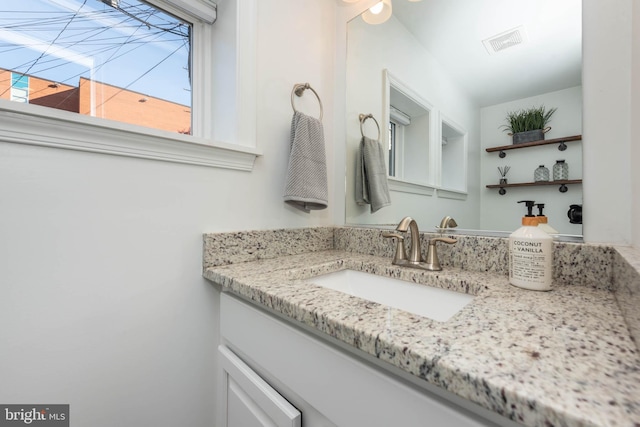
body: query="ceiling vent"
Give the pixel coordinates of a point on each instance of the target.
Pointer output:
(505, 40)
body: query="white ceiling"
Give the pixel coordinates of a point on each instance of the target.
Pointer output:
(453, 31)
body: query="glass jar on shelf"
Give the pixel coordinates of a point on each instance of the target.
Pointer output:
(541, 174)
(560, 171)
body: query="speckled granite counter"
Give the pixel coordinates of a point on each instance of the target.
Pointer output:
(562, 358)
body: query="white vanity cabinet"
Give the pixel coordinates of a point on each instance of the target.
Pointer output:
(248, 401)
(330, 385)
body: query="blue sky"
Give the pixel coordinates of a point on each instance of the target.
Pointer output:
(135, 47)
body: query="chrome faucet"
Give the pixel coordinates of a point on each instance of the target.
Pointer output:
(414, 259)
(447, 222)
(410, 224)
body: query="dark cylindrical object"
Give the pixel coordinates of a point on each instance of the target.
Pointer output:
(575, 214)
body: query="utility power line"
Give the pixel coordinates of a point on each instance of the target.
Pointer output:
(131, 26)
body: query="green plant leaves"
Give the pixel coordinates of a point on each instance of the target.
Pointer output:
(528, 119)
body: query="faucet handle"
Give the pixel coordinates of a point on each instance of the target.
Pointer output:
(432, 261)
(392, 234)
(401, 255)
(442, 239)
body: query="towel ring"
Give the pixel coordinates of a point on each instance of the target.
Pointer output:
(363, 118)
(299, 89)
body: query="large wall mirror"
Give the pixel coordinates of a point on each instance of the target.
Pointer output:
(452, 70)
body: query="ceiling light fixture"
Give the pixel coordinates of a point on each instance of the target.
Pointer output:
(378, 13)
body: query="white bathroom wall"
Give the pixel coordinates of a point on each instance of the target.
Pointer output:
(607, 121)
(390, 46)
(102, 303)
(635, 136)
(503, 213)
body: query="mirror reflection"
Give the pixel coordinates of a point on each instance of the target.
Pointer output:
(455, 70)
(409, 121)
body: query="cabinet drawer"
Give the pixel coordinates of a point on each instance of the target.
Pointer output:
(248, 400)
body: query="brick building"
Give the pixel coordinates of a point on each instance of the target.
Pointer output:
(97, 99)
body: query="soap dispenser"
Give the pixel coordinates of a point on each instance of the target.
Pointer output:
(543, 221)
(530, 254)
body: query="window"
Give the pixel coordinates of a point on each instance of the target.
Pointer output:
(392, 149)
(141, 72)
(410, 140)
(427, 150)
(19, 88)
(453, 175)
(122, 60)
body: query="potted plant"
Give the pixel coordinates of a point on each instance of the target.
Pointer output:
(528, 125)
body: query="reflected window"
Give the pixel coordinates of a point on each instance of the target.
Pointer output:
(122, 60)
(409, 142)
(392, 149)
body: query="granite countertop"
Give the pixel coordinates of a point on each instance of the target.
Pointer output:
(561, 358)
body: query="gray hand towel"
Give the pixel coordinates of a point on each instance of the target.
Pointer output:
(372, 186)
(307, 186)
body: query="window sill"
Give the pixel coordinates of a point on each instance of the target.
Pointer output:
(410, 187)
(34, 125)
(451, 194)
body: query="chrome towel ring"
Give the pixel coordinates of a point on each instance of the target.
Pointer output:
(299, 89)
(363, 118)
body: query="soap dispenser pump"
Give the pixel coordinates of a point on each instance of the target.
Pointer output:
(530, 254)
(543, 221)
(530, 204)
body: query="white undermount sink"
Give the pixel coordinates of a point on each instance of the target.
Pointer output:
(434, 303)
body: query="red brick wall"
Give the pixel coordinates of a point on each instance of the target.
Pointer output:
(43, 92)
(111, 103)
(131, 107)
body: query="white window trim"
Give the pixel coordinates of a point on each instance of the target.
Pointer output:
(399, 150)
(404, 186)
(42, 126)
(390, 80)
(444, 193)
(204, 10)
(59, 130)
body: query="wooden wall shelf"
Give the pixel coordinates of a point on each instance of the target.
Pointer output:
(563, 184)
(561, 141)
